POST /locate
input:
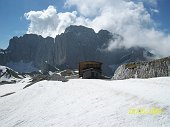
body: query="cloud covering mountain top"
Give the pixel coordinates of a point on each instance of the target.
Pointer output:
(125, 17)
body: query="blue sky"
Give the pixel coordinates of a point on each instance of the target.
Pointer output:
(163, 18)
(13, 22)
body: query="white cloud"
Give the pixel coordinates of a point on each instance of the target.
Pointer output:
(43, 22)
(153, 2)
(87, 8)
(50, 23)
(154, 10)
(125, 17)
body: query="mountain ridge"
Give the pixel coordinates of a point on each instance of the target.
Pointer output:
(77, 43)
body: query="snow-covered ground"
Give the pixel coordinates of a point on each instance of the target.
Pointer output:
(15, 87)
(5, 74)
(87, 103)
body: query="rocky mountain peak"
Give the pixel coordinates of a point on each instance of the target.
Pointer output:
(77, 43)
(80, 28)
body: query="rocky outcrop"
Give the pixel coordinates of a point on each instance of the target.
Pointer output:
(77, 43)
(7, 75)
(151, 69)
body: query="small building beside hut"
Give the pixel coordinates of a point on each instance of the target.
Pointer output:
(90, 69)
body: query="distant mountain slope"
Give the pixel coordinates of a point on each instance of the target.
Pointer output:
(77, 43)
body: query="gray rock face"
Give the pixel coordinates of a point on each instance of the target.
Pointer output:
(7, 75)
(156, 68)
(30, 48)
(77, 43)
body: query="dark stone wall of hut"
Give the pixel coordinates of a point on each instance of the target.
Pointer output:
(91, 74)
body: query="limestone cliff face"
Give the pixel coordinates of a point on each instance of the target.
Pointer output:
(156, 68)
(30, 48)
(77, 43)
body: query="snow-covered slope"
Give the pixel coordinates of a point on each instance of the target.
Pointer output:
(8, 75)
(87, 103)
(14, 87)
